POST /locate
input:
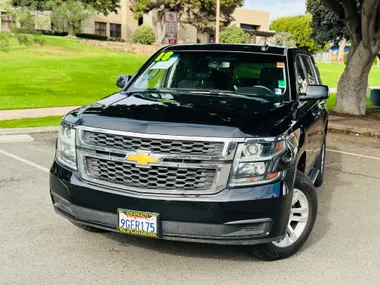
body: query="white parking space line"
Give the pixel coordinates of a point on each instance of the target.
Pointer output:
(16, 138)
(24, 161)
(354, 154)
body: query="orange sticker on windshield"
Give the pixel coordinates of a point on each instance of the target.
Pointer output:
(280, 64)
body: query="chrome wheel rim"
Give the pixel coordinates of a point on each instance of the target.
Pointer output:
(298, 218)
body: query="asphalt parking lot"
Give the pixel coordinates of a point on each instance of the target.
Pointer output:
(39, 247)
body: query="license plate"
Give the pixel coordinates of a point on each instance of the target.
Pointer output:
(138, 223)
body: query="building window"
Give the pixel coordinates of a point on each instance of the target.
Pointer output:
(141, 21)
(100, 29)
(249, 27)
(115, 31)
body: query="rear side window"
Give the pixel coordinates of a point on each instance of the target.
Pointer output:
(311, 80)
(305, 73)
(301, 76)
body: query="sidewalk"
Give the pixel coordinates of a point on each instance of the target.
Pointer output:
(34, 113)
(350, 125)
(354, 125)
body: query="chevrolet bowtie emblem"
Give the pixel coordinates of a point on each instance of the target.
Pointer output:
(143, 159)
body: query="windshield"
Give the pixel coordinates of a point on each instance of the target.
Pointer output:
(234, 73)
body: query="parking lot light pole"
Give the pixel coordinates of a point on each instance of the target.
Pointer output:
(217, 21)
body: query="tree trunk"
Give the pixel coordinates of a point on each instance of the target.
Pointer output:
(160, 27)
(353, 84)
(70, 30)
(342, 45)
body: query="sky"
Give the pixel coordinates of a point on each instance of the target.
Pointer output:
(277, 8)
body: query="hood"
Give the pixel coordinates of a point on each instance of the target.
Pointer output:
(190, 114)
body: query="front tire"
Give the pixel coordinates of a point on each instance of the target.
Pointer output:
(301, 221)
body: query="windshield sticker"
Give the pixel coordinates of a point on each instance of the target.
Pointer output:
(282, 84)
(164, 56)
(280, 64)
(278, 91)
(165, 64)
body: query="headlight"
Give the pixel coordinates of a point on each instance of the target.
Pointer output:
(66, 154)
(256, 162)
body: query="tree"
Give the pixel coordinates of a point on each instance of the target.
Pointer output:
(361, 19)
(233, 35)
(200, 13)
(25, 34)
(282, 39)
(299, 27)
(68, 16)
(327, 28)
(101, 6)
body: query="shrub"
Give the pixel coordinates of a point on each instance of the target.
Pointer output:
(53, 33)
(345, 57)
(233, 35)
(283, 39)
(92, 37)
(144, 35)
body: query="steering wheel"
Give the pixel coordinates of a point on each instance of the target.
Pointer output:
(264, 87)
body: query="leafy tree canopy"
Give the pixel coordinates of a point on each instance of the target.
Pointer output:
(299, 27)
(327, 27)
(200, 13)
(101, 6)
(68, 16)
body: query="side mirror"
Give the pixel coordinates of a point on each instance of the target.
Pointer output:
(316, 92)
(122, 80)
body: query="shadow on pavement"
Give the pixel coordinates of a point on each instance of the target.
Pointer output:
(197, 250)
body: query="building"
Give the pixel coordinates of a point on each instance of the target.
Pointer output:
(122, 25)
(41, 21)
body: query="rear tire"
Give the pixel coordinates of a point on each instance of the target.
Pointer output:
(321, 162)
(301, 221)
(88, 228)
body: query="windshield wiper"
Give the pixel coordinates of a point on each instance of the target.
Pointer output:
(237, 95)
(215, 93)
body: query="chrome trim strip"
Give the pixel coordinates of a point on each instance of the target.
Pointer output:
(252, 221)
(227, 153)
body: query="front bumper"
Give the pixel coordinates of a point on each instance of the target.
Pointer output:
(233, 216)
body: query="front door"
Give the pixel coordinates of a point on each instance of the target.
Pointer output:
(313, 110)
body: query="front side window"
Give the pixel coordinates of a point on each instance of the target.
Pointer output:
(238, 73)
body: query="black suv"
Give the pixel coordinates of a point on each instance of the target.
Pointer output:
(205, 143)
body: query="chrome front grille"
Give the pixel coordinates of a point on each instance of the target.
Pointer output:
(162, 146)
(186, 165)
(155, 177)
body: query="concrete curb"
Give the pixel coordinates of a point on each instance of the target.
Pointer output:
(29, 131)
(337, 128)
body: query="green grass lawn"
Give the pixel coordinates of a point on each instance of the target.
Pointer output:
(331, 72)
(62, 72)
(32, 122)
